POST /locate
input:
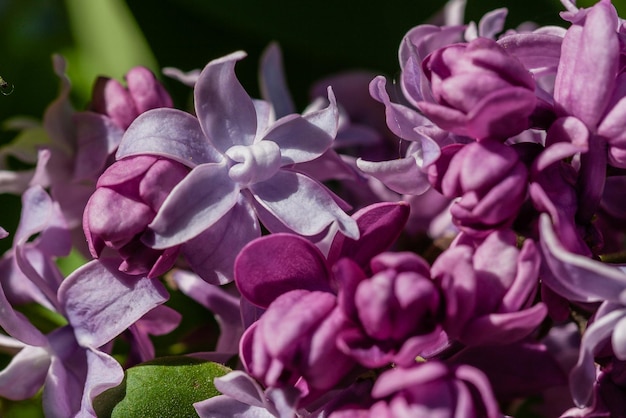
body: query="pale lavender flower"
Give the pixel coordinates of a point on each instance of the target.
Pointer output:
(241, 164)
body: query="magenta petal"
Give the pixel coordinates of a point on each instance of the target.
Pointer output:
(101, 302)
(169, 133)
(503, 328)
(212, 253)
(25, 374)
(199, 201)
(224, 109)
(272, 265)
(581, 59)
(289, 195)
(379, 225)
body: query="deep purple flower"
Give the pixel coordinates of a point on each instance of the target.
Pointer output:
(394, 313)
(429, 389)
(127, 198)
(490, 179)
(309, 322)
(479, 90)
(489, 289)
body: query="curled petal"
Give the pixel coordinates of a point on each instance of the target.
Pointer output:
(581, 59)
(404, 175)
(225, 111)
(576, 277)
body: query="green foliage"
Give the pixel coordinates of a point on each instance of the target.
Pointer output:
(166, 387)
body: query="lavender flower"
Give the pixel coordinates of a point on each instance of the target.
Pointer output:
(240, 160)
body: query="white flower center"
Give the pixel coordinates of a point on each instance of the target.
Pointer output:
(254, 163)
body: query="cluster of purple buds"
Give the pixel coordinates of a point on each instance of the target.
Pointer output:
(452, 248)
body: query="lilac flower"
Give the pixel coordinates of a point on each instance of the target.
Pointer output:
(490, 179)
(127, 197)
(489, 289)
(240, 160)
(429, 389)
(394, 314)
(309, 322)
(479, 90)
(72, 362)
(113, 107)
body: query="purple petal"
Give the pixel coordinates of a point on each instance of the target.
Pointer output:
(226, 407)
(402, 175)
(25, 374)
(101, 302)
(273, 84)
(503, 328)
(300, 140)
(401, 120)
(146, 91)
(379, 225)
(492, 23)
(103, 372)
(536, 51)
(576, 277)
(581, 59)
(212, 253)
(272, 265)
(98, 137)
(225, 308)
(57, 120)
(289, 195)
(583, 374)
(199, 201)
(224, 109)
(169, 133)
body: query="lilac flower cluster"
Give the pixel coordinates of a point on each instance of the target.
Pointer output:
(449, 245)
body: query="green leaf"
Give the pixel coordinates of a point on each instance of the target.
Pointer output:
(166, 387)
